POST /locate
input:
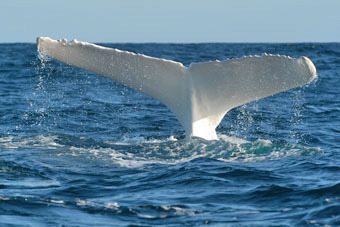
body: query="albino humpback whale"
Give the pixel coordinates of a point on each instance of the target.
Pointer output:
(199, 95)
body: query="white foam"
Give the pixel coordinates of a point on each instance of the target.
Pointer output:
(57, 201)
(138, 152)
(4, 198)
(40, 141)
(232, 139)
(139, 140)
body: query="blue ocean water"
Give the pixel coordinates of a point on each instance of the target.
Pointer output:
(77, 149)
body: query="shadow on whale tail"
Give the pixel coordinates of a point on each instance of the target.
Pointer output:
(199, 95)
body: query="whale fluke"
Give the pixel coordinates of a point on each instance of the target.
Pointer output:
(199, 95)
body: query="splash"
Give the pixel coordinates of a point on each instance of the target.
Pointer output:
(138, 152)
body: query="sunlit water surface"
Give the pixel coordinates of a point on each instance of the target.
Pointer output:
(77, 149)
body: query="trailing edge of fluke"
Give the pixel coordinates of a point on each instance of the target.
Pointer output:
(199, 95)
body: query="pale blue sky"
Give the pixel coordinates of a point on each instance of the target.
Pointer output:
(171, 21)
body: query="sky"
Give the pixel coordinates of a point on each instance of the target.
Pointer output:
(176, 21)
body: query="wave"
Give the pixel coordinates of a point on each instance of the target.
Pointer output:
(145, 211)
(139, 151)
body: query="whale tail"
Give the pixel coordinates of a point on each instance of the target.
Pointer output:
(199, 95)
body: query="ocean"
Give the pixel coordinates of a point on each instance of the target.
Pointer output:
(78, 149)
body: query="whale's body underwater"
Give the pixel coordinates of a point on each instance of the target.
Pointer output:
(199, 95)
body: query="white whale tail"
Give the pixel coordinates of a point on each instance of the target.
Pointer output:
(199, 95)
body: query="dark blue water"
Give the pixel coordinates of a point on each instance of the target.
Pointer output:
(77, 149)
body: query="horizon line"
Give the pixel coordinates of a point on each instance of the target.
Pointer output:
(208, 42)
